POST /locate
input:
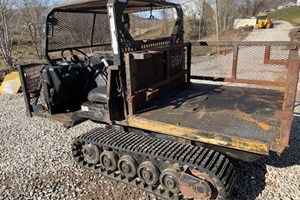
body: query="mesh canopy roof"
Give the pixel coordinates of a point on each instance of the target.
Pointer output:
(78, 29)
(100, 5)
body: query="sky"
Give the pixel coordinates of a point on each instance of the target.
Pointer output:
(54, 2)
(141, 14)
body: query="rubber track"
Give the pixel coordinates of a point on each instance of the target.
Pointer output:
(214, 163)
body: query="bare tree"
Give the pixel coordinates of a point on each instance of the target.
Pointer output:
(228, 11)
(32, 12)
(8, 16)
(256, 5)
(20, 29)
(198, 15)
(252, 7)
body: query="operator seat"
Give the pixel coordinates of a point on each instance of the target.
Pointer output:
(64, 88)
(99, 94)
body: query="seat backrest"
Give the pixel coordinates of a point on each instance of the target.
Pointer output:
(64, 84)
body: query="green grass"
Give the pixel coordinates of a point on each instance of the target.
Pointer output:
(150, 34)
(291, 15)
(157, 32)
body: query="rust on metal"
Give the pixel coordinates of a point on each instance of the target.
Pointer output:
(165, 70)
(269, 61)
(202, 174)
(290, 95)
(200, 136)
(248, 43)
(29, 88)
(244, 81)
(191, 186)
(267, 54)
(276, 62)
(235, 61)
(131, 109)
(284, 116)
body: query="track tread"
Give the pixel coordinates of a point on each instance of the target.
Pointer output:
(202, 159)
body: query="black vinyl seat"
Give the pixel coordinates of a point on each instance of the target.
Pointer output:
(64, 85)
(98, 94)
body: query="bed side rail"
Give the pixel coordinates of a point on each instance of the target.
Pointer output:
(286, 116)
(274, 65)
(257, 63)
(31, 80)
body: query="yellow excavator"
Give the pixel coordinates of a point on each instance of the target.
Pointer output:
(263, 21)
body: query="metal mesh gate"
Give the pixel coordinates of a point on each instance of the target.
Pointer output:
(249, 62)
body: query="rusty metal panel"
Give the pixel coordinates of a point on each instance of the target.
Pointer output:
(147, 72)
(200, 136)
(151, 75)
(232, 111)
(176, 61)
(290, 96)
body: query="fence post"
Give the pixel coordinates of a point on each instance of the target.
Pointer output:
(189, 62)
(235, 61)
(267, 54)
(290, 95)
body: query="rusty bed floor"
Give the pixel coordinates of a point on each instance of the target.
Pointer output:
(234, 111)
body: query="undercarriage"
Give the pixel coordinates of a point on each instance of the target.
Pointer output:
(168, 169)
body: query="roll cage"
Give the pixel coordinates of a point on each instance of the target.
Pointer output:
(98, 23)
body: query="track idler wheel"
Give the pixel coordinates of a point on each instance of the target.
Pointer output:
(128, 166)
(197, 188)
(169, 180)
(109, 160)
(91, 153)
(148, 173)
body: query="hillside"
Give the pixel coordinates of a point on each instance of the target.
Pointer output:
(291, 15)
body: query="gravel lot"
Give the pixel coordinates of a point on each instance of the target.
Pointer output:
(36, 163)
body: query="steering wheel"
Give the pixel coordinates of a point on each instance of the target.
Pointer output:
(75, 58)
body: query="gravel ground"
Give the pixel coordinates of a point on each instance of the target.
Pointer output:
(36, 163)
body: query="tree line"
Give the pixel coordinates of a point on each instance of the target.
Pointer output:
(20, 23)
(206, 17)
(20, 30)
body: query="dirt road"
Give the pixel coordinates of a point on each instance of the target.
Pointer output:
(280, 32)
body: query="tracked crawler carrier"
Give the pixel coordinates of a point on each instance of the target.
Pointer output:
(161, 131)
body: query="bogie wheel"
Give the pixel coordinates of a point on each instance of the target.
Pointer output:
(109, 160)
(91, 153)
(148, 173)
(169, 180)
(128, 166)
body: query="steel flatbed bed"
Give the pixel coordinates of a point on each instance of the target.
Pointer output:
(248, 114)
